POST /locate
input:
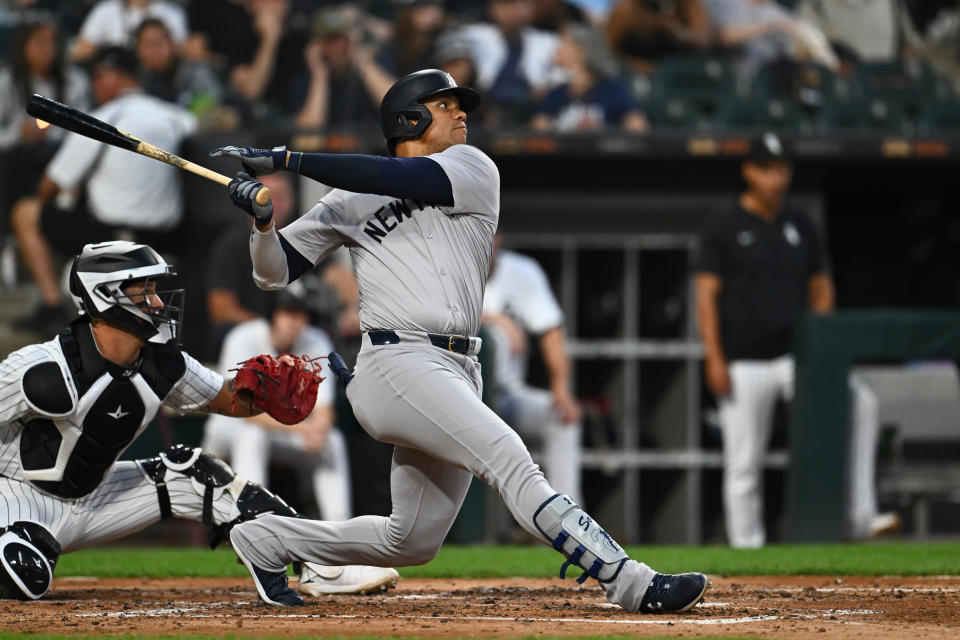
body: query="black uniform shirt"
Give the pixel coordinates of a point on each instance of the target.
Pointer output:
(764, 267)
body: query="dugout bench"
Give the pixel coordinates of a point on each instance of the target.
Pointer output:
(826, 346)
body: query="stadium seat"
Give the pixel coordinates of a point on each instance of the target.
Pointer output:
(939, 116)
(900, 80)
(743, 114)
(674, 113)
(861, 115)
(699, 80)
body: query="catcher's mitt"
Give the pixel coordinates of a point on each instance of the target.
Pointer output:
(286, 392)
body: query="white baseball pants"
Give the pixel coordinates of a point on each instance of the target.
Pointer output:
(746, 420)
(124, 503)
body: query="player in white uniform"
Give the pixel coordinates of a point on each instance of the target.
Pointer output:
(420, 230)
(517, 301)
(71, 406)
(315, 443)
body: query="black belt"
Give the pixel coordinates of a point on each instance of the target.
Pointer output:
(457, 344)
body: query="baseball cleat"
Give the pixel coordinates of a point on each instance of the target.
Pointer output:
(884, 523)
(319, 580)
(272, 586)
(669, 593)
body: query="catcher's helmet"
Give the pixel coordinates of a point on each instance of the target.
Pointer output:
(404, 102)
(101, 277)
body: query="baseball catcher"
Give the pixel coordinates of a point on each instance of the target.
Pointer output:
(72, 405)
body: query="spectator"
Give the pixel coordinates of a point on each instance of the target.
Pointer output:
(517, 301)
(761, 264)
(257, 46)
(233, 298)
(514, 62)
(192, 85)
(123, 194)
(37, 66)
(554, 15)
(314, 443)
(456, 58)
(932, 33)
(642, 30)
(343, 84)
(413, 45)
(114, 23)
(870, 30)
(594, 98)
(765, 32)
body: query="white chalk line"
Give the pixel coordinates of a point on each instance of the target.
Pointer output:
(192, 612)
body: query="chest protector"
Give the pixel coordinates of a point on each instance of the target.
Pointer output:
(86, 412)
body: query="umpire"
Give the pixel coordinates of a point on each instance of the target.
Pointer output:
(761, 264)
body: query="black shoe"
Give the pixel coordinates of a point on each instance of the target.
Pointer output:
(45, 320)
(272, 586)
(673, 593)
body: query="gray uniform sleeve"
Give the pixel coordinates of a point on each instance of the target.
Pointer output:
(320, 231)
(474, 178)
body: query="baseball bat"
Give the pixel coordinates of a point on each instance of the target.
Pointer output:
(86, 125)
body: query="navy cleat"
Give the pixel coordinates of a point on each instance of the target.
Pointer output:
(272, 586)
(669, 593)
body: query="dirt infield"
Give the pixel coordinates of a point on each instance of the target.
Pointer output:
(774, 606)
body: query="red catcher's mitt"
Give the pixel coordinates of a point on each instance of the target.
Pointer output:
(288, 393)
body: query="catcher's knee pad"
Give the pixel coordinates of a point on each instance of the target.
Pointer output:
(28, 555)
(577, 536)
(211, 476)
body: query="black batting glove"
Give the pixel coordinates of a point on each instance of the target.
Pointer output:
(243, 191)
(256, 162)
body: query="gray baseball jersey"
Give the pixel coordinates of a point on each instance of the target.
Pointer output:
(419, 267)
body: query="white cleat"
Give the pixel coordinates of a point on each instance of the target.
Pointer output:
(319, 580)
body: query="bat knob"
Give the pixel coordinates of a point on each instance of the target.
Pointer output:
(263, 196)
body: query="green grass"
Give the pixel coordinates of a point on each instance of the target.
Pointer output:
(530, 561)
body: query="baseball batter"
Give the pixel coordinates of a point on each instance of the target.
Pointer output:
(71, 406)
(420, 228)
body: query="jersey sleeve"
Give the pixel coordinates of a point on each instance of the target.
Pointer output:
(321, 230)
(74, 160)
(710, 258)
(197, 387)
(534, 304)
(474, 178)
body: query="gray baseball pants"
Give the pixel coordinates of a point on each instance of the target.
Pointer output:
(426, 401)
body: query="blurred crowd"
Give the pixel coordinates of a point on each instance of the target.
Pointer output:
(164, 69)
(554, 65)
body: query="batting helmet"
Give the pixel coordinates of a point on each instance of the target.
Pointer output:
(404, 102)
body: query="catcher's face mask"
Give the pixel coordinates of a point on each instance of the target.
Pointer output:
(162, 310)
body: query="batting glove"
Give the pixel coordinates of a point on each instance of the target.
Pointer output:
(256, 162)
(243, 191)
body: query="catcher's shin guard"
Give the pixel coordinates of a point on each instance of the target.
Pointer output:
(578, 537)
(211, 477)
(28, 556)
